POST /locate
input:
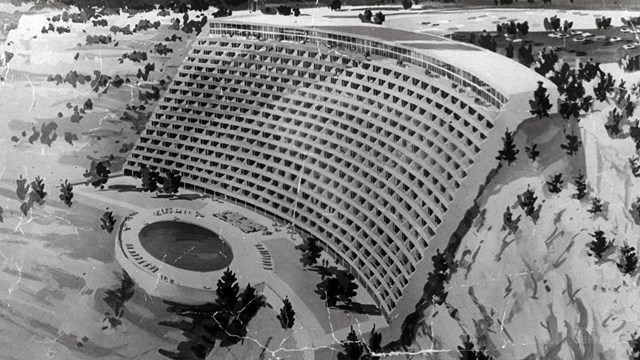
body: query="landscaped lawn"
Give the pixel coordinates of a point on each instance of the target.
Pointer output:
(286, 259)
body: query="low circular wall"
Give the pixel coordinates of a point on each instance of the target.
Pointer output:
(160, 278)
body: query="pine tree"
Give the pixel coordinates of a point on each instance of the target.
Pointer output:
(37, 194)
(599, 245)
(581, 186)
(540, 105)
(573, 144)
(509, 150)
(1, 218)
(287, 314)
(596, 205)
(509, 50)
(227, 291)
(66, 193)
(532, 151)
(467, 351)
(352, 347)
(22, 188)
(507, 219)
(108, 221)
(568, 109)
(614, 118)
(331, 294)
(555, 185)
(248, 304)
(634, 163)
(628, 262)
(527, 201)
(375, 344)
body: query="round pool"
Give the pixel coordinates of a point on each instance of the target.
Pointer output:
(186, 246)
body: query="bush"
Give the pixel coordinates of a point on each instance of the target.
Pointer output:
(407, 4)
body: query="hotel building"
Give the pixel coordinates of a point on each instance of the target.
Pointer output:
(372, 139)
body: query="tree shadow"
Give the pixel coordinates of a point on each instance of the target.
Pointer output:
(358, 308)
(188, 197)
(124, 188)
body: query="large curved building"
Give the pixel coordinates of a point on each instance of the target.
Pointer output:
(373, 140)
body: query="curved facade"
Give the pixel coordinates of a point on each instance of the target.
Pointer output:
(366, 138)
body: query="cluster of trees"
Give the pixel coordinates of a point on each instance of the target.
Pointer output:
(173, 38)
(282, 10)
(603, 22)
(98, 173)
(554, 185)
(58, 29)
(311, 251)
(485, 40)
(105, 81)
(335, 5)
(629, 63)
(98, 39)
(338, 287)
(621, 114)
(555, 24)
(101, 22)
(512, 28)
(469, 352)
(631, 22)
(525, 53)
(222, 12)
(189, 26)
(354, 348)
(135, 56)
(126, 30)
(145, 24)
(152, 180)
(224, 320)
(147, 96)
(99, 80)
(600, 246)
(368, 17)
(73, 78)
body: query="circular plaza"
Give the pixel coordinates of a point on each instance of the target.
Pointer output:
(179, 254)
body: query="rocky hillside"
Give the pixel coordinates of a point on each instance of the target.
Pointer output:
(537, 290)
